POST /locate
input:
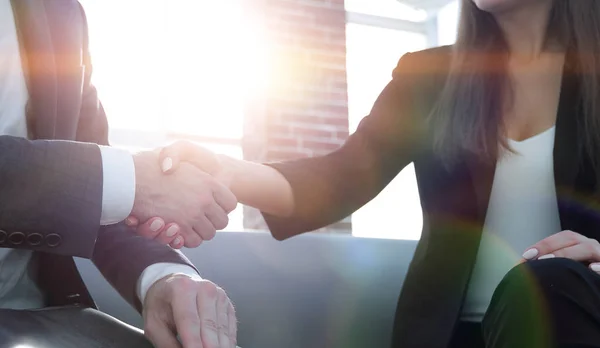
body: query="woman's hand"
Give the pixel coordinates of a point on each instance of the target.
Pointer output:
(567, 244)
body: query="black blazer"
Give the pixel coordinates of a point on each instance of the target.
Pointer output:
(454, 201)
(51, 191)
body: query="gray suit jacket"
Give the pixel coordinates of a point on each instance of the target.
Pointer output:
(51, 187)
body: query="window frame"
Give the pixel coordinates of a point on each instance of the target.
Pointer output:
(429, 28)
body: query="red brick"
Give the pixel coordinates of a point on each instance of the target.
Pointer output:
(305, 112)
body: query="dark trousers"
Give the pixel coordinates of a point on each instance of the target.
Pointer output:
(66, 328)
(553, 303)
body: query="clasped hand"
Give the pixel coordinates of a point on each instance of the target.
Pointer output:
(184, 208)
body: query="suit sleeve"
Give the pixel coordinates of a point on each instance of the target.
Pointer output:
(122, 256)
(51, 195)
(329, 188)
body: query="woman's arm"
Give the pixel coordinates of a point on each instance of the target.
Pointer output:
(306, 194)
(259, 186)
(327, 189)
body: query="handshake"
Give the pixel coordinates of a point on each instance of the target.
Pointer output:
(181, 196)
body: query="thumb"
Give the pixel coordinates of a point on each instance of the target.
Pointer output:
(171, 156)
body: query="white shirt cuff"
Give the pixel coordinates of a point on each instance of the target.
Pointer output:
(156, 272)
(118, 190)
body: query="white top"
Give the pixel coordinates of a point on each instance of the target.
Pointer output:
(522, 211)
(17, 289)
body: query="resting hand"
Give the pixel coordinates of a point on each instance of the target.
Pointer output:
(196, 310)
(192, 204)
(567, 244)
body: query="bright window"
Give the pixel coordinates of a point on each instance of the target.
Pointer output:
(385, 8)
(448, 23)
(166, 70)
(372, 54)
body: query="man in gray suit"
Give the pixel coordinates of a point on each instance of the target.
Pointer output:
(64, 193)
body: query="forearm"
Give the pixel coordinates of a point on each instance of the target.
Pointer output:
(259, 186)
(51, 193)
(306, 194)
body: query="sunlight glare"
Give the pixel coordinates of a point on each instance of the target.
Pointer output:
(184, 67)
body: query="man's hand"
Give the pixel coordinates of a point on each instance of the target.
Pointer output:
(567, 244)
(196, 310)
(192, 204)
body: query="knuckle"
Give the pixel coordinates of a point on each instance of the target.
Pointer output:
(210, 234)
(233, 206)
(208, 289)
(183, 282)
(222, 223)
(222, 295)
(572, 236)
(229, 205)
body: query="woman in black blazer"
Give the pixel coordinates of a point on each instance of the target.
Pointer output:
(521, 69)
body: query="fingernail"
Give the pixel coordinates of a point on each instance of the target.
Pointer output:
(129, 221)
(595, 267)
(167, 164)
(156, 225)
(530, 254)
(177, 240)
(172, 230)
(549, 256)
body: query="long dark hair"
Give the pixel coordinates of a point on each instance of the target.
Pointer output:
(469, 113)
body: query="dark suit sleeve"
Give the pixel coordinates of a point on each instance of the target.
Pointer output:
(122, 256)
(51, 195)
(329, 188)
(93, 125)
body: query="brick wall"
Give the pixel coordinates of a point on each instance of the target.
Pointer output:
(304, 111)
